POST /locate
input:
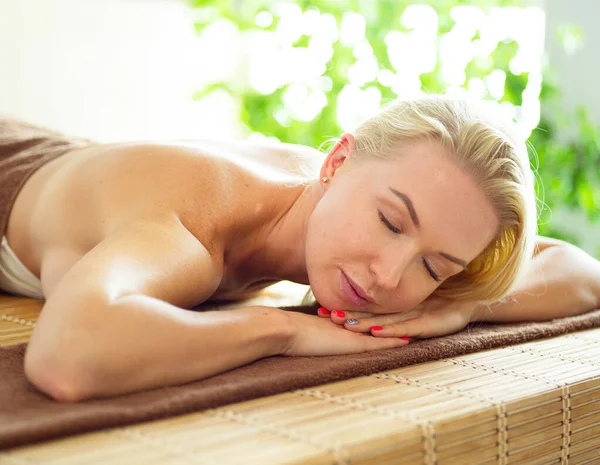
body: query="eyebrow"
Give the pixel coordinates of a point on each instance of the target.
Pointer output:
(415, 219)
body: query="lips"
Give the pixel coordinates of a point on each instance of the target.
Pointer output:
(353, 295)
(359, 290)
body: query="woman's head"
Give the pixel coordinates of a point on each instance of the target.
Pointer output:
(453, 177)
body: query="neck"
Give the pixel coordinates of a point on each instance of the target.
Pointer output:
(276, 250)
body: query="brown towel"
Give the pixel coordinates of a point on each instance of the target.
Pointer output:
(23, 149)
(26, 415)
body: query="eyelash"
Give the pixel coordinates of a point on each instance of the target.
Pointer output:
(396, 230)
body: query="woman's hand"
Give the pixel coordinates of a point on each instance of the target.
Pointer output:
(433, 317)
(312, 335)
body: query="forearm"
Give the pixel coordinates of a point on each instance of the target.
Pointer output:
(140, 343)
(560, 281)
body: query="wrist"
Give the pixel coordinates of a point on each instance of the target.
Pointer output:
(279, 331)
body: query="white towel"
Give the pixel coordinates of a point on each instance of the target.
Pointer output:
(15, 278)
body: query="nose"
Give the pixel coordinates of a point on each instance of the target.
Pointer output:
(389, 268)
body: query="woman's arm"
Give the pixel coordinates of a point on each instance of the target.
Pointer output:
(114, 323)
(140, 343)
(561, 280)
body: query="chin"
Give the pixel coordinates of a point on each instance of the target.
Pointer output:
(324, 283)
(320, 294)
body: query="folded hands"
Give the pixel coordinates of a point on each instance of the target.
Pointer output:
(433, 317)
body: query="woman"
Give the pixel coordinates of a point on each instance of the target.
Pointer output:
(415, 222)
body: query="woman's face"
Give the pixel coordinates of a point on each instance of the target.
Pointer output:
(397, 228)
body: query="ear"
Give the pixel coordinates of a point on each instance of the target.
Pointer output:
(339, 155)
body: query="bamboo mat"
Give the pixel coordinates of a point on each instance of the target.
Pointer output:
(531, 403)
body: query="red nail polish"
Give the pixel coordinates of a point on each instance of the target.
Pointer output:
(339, 313)
(324, 311)
(376, 328)
(405, 338)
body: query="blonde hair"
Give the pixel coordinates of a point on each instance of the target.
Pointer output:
(485, 146)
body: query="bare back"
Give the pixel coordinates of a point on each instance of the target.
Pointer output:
(219, 190)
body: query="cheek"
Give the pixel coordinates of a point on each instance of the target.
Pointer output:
(320, 245)
(331, 228)
(318, 235)
(413, 289)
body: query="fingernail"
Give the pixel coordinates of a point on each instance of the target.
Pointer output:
(324, 311)
(352, 321)
(339, 313)
(376, 328)
(405, 338)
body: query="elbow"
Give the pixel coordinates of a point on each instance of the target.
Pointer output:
(587, 276)
(61, 359)
(53, 374)
(584, 277)
(593, 297)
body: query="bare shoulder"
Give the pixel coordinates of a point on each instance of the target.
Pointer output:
(542, 242)
(288, 158)
(91, 193)
(151, 178)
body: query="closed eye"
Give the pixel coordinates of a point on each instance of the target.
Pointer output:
(432, 273)
(390, 226)
(396, 230)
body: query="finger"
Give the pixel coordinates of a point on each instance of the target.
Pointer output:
(374, 343)
(340, 316)
(363, 325)
(407, 329)
(424, 326)
(323, 312)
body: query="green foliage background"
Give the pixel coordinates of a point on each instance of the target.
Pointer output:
(568, 169)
